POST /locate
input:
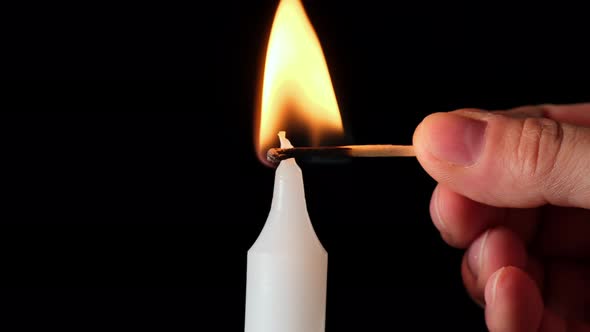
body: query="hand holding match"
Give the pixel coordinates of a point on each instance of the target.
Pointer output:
(275, 155)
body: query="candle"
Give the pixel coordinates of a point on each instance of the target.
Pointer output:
(287, 265)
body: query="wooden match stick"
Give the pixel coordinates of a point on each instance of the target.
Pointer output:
(275, 155)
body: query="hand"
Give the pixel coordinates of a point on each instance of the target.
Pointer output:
(514, 188)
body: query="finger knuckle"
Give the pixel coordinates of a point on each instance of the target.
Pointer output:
(538, 146)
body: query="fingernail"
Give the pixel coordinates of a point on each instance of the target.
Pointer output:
(435, 211)
(494, 280)
(455, 138)
(475, 253)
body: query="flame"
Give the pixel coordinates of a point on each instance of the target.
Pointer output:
(297, 92)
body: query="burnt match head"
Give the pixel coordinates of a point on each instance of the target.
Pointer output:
(275, 155)
(313, 154)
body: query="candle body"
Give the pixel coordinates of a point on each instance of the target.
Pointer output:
(287, 265)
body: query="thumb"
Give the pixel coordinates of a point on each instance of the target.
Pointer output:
(506, 161)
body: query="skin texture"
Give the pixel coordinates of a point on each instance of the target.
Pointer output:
(514, 191)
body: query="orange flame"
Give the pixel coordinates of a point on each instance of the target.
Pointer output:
(297, 92)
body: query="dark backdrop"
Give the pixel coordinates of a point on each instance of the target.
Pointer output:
(122, 209)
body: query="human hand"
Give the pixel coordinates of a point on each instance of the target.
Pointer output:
(514, 188)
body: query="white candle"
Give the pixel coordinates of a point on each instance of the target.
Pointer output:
(287, 265)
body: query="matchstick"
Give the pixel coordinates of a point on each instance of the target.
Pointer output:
(275, 155)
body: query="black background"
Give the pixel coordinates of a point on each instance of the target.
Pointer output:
(131, 196)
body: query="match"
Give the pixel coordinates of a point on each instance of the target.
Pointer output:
(275, 155)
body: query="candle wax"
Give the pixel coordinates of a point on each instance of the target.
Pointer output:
(287, 265)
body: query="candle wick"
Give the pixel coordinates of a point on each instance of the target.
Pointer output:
(285, 143)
